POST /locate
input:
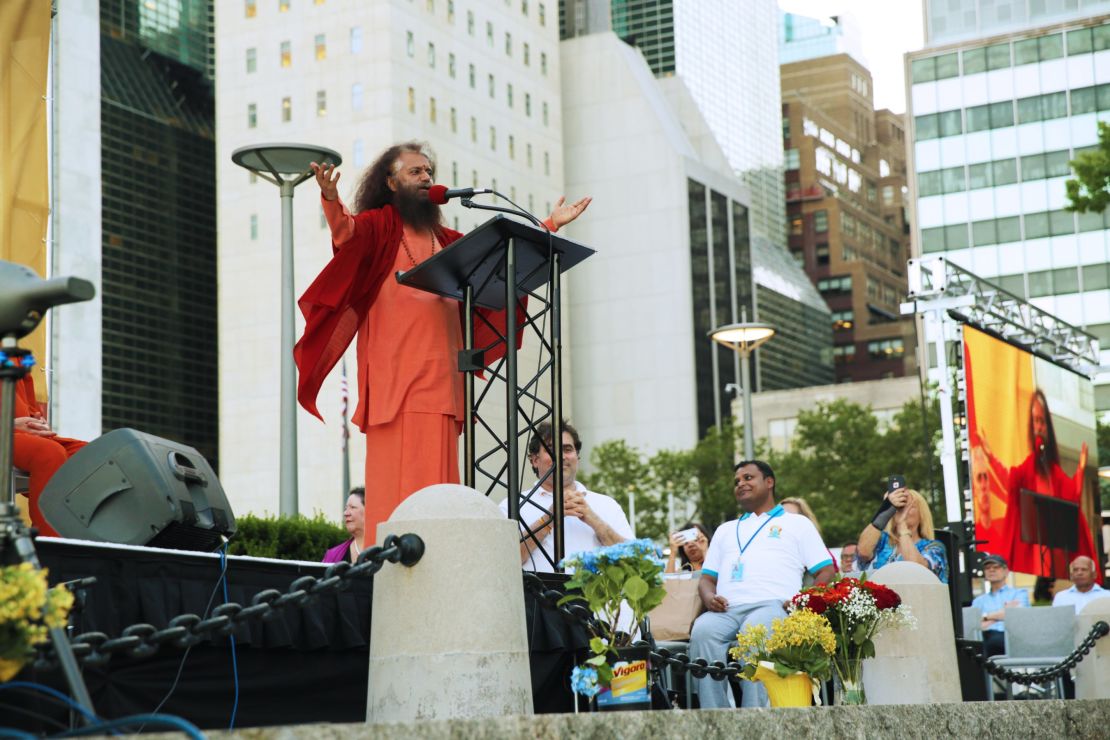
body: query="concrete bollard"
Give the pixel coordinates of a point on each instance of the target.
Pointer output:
(1092, 675)
(447, 636)
(915, 666)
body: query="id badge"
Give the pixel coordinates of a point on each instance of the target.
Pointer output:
(738, 572)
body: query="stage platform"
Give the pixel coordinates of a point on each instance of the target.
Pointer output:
(306, 665)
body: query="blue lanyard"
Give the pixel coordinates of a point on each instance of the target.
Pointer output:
(743, 548)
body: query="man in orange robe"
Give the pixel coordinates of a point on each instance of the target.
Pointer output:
(37, 449)
(410, 392)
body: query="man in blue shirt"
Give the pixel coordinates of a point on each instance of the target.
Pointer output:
(994, 603)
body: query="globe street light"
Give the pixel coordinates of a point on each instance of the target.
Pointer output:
(287, 166)
(744, 337)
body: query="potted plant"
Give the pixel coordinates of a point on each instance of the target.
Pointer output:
(629, 574)
(857, 610)
(791, 660)
(28, 609)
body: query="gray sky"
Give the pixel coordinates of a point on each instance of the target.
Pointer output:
(888, 29)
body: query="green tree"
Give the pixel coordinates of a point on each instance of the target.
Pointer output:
(1089, 190)
(1102, 432)
(620, 471)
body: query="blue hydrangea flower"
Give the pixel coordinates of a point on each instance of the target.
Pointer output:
(583, 680)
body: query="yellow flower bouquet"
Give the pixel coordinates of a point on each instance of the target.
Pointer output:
(802, 643)
(28, 609)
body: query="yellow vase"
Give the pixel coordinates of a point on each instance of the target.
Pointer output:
(9, 669)
(794, 690)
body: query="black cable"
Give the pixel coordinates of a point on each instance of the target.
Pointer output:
(181, 665)
(45, 719)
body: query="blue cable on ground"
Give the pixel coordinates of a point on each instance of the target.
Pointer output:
(234, 660)
(166, 720)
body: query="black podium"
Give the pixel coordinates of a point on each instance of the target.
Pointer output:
(505, 265)
(1052, 524)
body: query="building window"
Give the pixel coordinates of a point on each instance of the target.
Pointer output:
(356, 40)
(842, 320)
(356, 96)
(254, 226)
(489, 34)
(473, 130)
(545, 113)
(431, 55)
(321, 47)
(359, 154)
(454, 174)
(252, 115)
(546, 163)
(471, 75)
(524, 7)
(543, 62)
(797, 226)
(821, 221)
(888, 195)
(286, 54)
(508, 44)
(528, 154)
(454, 121)
(474, 178)
(492, 85)
(283, 6)
(250, 8)
(252, 60)
(528, 104)
(886, 349)
(838, 284)
(286, 110)
(821, 254)
(526, 52)
(512, 147)
(410, 44)
(493, 138)
(451, 65)
(430, 6)
(543, 14)
(935, 68)
(412, 100)
(321, 103)
(792, 159)
(431, 110)
(509, 94)
(470, 22)
(844, 353)
(451, 11)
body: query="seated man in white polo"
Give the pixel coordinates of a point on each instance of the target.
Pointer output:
(1085, 589)
(754, 565)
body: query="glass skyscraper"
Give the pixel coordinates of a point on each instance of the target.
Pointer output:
(995, 121)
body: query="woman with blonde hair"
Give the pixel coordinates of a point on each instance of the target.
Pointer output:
(907, 535)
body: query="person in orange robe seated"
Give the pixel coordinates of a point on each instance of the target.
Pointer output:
(410, 391)
(37, 449)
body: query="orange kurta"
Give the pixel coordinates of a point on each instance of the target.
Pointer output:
(414, 407)
(39, 456)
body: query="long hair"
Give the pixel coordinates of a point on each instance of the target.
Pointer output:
(373, 191)
(925, 528)
(682, 550)
(804, 508)
(1051, 453)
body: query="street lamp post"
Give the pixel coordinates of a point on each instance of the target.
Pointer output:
(744, 337)
(287, 166)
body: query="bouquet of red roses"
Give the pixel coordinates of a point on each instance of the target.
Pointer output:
(857, 610)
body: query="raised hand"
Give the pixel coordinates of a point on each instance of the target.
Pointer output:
(327, 177)
(563, 213)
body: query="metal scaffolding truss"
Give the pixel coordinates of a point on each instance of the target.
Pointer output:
(993, 309)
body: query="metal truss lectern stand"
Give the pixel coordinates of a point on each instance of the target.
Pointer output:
(500, 266)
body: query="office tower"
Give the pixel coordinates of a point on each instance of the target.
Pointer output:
(135, 192)
(676, 258)
(995, 120)
(845, 179)
(802, 37)
(478, 81)
(727, 55)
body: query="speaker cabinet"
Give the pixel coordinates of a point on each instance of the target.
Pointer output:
(133, 488)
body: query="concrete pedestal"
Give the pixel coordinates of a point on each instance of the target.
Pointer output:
(447, 636)
(915, 666)
(1092, 675)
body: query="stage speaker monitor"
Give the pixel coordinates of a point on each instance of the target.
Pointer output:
(132, 488)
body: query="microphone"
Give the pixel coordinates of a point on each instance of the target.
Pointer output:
(439, 194)
(1038, 444)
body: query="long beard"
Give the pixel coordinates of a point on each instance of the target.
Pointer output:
(416, 210)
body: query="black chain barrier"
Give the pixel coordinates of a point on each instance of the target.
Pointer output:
(143, 640)
(720, 671)
(1099, 630)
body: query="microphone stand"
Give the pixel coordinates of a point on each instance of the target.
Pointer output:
(515, 210)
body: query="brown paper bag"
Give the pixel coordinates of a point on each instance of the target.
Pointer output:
(672, 619)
